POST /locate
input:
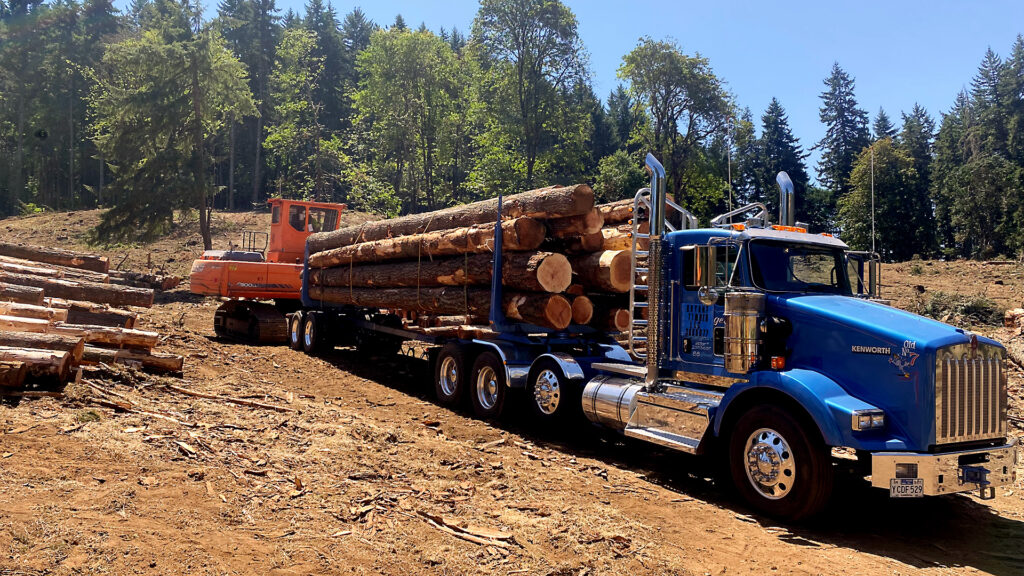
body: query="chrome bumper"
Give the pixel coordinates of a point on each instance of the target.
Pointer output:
(981, 469)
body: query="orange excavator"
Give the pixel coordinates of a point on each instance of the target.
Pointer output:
(265, 268)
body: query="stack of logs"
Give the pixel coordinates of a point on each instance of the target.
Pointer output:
(61, 309)
(566, 264)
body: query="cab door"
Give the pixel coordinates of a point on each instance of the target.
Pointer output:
(698, 342)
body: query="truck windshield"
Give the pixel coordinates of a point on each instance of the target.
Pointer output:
(785, 267)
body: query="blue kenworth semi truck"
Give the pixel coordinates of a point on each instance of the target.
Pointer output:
(762, 345)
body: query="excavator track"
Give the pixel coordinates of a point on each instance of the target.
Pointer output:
(253, 322)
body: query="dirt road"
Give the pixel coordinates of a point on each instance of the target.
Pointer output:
(358, 471)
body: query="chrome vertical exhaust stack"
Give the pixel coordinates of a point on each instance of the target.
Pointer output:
(787, 199)
(655, 285)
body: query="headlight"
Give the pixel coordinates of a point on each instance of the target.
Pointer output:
(868, 420)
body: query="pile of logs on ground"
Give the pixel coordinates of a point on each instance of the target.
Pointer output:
(60, 310)
(566, 264)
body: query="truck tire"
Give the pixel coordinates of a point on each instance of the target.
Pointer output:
(487, 388)
(554, 400)
(312, 333)
(450, 376)
(295, 330)
(779, 466)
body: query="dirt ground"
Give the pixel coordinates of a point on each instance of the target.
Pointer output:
(348, 466)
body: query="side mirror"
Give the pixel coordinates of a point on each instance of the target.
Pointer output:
(705, 273)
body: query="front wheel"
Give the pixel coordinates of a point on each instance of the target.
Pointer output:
(488, 389)
(778, 466)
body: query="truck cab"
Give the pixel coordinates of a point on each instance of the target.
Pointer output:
(767, 344)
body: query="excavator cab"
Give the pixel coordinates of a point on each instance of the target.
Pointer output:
(292, 221)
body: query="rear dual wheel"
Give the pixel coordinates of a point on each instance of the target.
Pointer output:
(295, 330)
(312, 333)
(488, 386)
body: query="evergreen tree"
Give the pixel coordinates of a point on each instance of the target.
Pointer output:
(950, 154)
(399, 23)
(883, 127)
(846, 133)
(779, 150)
(916, 140)
(329, 49)
(161, 99)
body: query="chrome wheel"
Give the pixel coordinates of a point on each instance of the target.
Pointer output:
(309, 335)
(487, 387)
(770, 466)
(295, 330)
(448, 376)
(547, 392)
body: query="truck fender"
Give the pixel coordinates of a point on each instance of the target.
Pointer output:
(825, 401)
(570, 367)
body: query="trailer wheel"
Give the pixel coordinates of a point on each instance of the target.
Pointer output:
(553, 398)
(295, 330)
(312, 339)
(487, 387)
(450, 375)
(777, 466)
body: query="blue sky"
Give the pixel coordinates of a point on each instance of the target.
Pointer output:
(899, 52)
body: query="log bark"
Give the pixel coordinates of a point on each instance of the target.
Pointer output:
(55, 256)
(12, 373)
(34, 270)
(617, 212)
(142, 280)
(150, 361)
(551, 202)
(22, 294)
(606, 271)
(529, 271)
(80, 312)
(33, 311)
(582, 310)
(519, 235)
(41, 364)
(575, 244)
(121, 337)
(75, 345)
(457, 320)
(82, 290)
(545, 310)
(64, 271)
(572, 226)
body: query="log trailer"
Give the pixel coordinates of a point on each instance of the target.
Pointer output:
(266, 268)
(765, 346)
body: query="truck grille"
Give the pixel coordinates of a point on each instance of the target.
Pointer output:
(970, 393)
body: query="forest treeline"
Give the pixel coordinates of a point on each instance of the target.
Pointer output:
(163, 109)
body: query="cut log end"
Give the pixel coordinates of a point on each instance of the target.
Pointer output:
(554, 273)
(582, 310)
(558, 312)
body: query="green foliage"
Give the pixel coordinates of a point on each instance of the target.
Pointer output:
(530, 59)
(619, 175)
(846, 132)
(159, 99)
(687, 106)
(893, 170)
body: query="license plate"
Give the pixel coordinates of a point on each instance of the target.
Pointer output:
(906, 488)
